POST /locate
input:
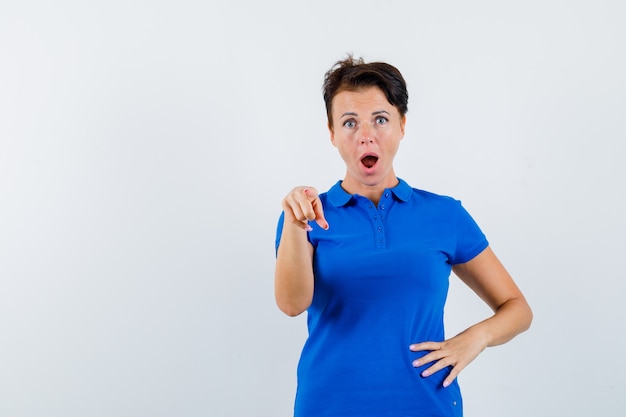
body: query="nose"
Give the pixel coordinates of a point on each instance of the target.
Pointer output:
(366, 134)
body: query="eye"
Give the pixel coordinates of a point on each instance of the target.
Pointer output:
(380, 120)
(350, 123)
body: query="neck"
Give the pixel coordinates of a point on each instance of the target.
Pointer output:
(372, 192)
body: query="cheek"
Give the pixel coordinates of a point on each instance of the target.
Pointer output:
(392, 146)
(347, 153)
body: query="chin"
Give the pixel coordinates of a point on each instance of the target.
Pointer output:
(372, 180)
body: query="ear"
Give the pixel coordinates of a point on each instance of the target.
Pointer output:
(402, 125)
(332, 134)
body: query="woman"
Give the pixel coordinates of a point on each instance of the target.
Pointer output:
(372, 266)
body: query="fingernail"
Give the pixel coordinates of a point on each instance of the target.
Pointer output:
(445, 384)
(308, 228)
(425, 373)
(416, 363)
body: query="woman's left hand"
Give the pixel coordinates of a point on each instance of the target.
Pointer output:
(457, 352)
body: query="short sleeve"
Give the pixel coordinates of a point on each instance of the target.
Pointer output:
(279, 229)
(470, 240)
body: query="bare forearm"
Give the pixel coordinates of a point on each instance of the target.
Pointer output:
(486, 275)
(510, 319)
(294, 271)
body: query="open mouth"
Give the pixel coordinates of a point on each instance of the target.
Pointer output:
(369, 160)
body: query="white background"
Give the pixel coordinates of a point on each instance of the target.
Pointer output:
(145, 147)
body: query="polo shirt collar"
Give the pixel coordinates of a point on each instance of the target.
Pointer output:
(402, 191)
(339, 197)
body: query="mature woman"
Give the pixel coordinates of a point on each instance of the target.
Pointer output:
(369, 261)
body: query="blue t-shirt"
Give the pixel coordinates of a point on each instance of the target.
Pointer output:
(381, 281)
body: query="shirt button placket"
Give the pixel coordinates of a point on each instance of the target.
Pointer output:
(380, 230)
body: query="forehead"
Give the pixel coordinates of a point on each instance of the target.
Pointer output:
(364, 99)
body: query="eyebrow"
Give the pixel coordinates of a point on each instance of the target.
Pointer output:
(373, 113)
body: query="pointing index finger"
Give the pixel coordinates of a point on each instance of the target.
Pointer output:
(316, 203)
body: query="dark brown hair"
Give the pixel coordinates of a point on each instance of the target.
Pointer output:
(352, 74)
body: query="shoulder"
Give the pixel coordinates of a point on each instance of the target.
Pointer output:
(438, 205)
(431, 198)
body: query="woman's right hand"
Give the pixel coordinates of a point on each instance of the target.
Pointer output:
(294, 281)
(303, 204)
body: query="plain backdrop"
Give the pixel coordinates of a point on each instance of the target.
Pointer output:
(145, 147)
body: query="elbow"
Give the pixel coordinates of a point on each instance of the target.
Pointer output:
(291, 309)
(529, 317)
(293, 305)
(525, 315)
(520, 315)
(293, 301)
(292, 312)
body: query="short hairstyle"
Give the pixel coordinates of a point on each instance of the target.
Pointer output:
(353, 74)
